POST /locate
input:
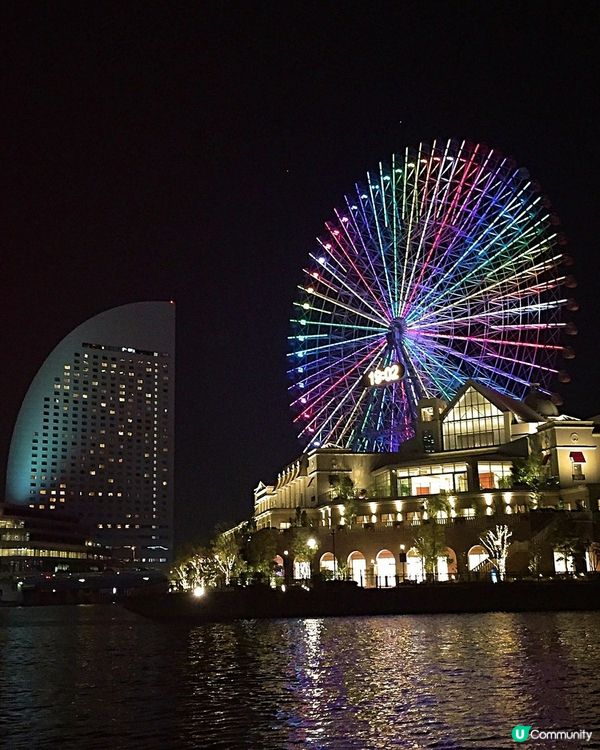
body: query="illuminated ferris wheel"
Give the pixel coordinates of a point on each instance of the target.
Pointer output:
(446, 264)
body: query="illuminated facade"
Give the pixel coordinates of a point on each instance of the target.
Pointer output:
(464, 451)
(95, 433)
(33, 541)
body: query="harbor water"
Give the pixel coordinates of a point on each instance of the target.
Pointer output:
(99, 677)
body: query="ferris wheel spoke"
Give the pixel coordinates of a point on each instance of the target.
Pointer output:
(432, 207)
(365, 286)
(527, 363)
(329, 433)
(380, 243)
(326, 415)
(480, 364)
(334, 345)
(343, 290)
(322, 373)
(443, 379)
(527, 326)
(482, 340)
(488, 314)
(408, 168)
(349, 418)
(485, 316)
(442, 226)
(459, 231)
(371, 355)
(379, 326)
(479, 292)
(377, 290)
(313, 290)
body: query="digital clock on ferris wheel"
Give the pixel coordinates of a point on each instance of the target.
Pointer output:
(382, 376)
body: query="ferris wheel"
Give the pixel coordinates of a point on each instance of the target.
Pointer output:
(446, 264)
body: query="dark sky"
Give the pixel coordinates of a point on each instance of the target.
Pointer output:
(193, 151)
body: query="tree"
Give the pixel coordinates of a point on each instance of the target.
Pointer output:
(430, 545)
(435, 504)
(351, 508)
(593, 550)
(564, 538)
(303, 545)
(497, 543)
(342, 486)
(535, 557)
(195, 567)
(225, 550)
(259, 552)
(531, 473)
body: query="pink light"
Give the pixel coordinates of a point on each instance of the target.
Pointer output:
(491, 341)
(378, 346)
(441, 228)
(386, 313)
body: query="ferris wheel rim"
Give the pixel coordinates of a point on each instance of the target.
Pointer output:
(380, 268)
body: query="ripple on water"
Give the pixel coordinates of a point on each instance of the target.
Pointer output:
(99, 677)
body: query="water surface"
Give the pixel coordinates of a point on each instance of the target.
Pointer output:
(98, 677)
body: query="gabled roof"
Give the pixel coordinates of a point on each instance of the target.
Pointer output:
(499, 400)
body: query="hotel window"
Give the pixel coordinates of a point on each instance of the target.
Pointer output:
(577, 461)
(383, 486)
(432, 479)
(426, 413)
(473, 422)
(494, 475)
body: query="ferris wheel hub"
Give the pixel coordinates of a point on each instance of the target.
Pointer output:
(397, 331)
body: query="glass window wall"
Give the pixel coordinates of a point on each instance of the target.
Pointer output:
(494, 475)
(432, 479)
(473, 422)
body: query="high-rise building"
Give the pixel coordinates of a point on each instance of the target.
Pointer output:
(95, 433)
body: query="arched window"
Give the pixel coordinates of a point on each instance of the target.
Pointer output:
(385, 569)
(358, 567)
(476, 556)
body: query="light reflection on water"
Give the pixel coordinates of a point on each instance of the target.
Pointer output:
(99, 677)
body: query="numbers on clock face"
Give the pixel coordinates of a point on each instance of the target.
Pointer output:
(389, 374)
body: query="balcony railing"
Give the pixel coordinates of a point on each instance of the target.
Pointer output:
(412, 522)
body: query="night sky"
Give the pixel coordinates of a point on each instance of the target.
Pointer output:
(194, 151)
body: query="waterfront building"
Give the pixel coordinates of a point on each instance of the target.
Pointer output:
(466, 452)
(94, 437)
(33, 541)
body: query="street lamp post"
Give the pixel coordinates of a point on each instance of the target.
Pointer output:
(402, 561)
(312, 545)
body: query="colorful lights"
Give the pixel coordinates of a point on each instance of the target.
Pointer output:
(447, 264)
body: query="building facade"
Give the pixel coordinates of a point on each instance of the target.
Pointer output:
(94, 437)
(465, 452)
(32, 541)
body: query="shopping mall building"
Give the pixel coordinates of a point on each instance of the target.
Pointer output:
(466, 451)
